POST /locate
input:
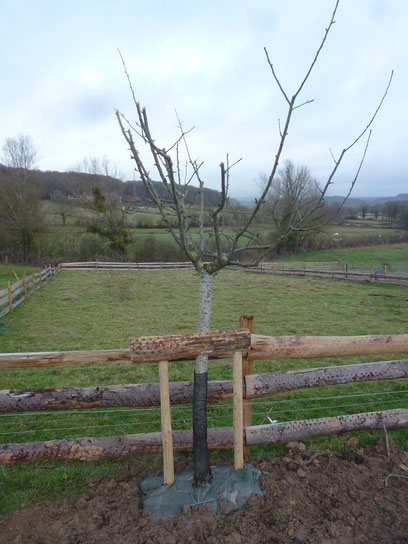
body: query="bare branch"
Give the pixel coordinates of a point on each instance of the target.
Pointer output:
(275, 76)
(304, 103)
(332, 21)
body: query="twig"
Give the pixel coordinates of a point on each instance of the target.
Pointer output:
(394, 476)
(319, 454)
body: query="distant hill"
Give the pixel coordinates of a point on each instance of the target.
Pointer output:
(357, 201)
(70, 183)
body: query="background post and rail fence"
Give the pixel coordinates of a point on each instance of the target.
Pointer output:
(18, 292)
(243, 347)
(391, 275)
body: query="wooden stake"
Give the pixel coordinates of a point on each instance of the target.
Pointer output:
(96, 264)
(25, 286)
(167, 437)
(39, 271)
(33, 272)
(10, 297)
(247, 322)
(238, 423)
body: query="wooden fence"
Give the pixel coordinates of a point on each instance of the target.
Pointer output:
(101, 265)
(18, 292)
(339, 271)
(244, 347)
(391, 275)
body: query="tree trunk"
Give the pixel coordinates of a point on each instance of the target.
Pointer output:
(201, 458)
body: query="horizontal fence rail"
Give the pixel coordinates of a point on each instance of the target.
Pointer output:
(261, 347)
(94, 449)
(148, 394)
(101, 265)
(18, 292)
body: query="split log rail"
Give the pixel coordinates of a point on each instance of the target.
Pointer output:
(18, 292)
(239, 344)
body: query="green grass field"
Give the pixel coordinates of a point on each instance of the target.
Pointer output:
(12, 273)
(392, 254)
(89, 310)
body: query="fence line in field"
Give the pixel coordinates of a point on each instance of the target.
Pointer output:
(14, 294)
(387, 274)
(390, 275)
(102, 265)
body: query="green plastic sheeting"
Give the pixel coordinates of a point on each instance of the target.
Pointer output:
(228, 491)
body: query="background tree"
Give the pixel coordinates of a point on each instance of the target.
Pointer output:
(364, 207)
(20, 209)
(109, 221)
(375, 211)
(391, 210)
(103, 201)
(63, 206)
(229, 246)
(293, 193)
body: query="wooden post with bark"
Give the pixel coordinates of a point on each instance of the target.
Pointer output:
(247, 322)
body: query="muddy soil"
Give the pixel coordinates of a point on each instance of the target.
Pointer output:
(309, 498)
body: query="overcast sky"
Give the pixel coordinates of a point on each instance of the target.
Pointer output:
(62, 78)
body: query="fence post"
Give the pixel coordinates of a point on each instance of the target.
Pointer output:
(25, 286)
(96, 264)
(247, 322)
(33, 272)
(238, 412)
(10, 296)
(40, 273)
(167, 437)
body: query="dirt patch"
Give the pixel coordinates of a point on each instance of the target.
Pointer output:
(310, 497)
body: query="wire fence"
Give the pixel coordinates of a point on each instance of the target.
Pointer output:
(48, 425)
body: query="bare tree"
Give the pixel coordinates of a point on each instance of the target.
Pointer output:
(293, 194)
(20, 152)
(168, 165)
(20, 208)
(62, 204)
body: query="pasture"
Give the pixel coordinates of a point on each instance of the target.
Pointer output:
(89, 310)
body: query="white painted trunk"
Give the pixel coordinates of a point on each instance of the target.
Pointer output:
(204, 316)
